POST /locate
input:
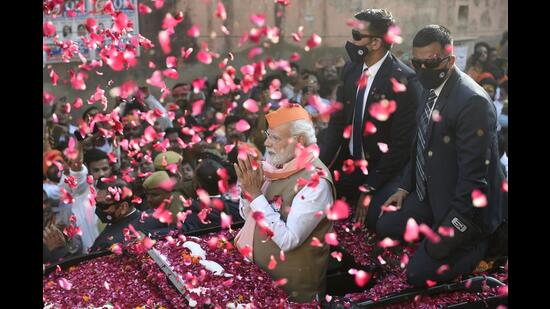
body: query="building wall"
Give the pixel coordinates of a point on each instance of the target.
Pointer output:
(468, 20)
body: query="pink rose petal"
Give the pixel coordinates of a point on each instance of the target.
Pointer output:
(347, 132)
(315, 242)
(48, 29)
(251, 105)
(313, 41)
(204, 57)
(65, 284)
(369, 129)
(411, 231)
(220, 11)
(258, 20)
(382, 110)
(255, 52)
(354, 23)
(272, 263)
(246, 251)
(361, 277)
(436, 116)
(337, 255)
(446, 231)
(168, 185)
(383, 147)
(388, 242)
(194, 31)
(143, 9)
(443, 268)
(338, 211)
(430, 235)
(171, 62)
(197, 107)
(281, 282)
(392, 36)
(164, 40)
(294, 57)
(397, 86)
(226, 220)
(158, 3)
(331, 239)
(204, 197)
(242, 126)
(479, 199)
(116, 249)
(404, 260)
(54, 77)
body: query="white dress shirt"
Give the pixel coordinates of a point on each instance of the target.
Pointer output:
(437, 92)
(301, 220)
(371, 71)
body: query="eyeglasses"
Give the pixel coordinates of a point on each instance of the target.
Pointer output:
(357, 36)
(271, 136)
(274, 138)
(428, 63)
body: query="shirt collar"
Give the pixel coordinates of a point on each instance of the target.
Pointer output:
(373, 69)
(438, 89)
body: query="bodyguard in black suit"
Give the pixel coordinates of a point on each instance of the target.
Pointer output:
(370, 53)
(114, 206)
(454, 154)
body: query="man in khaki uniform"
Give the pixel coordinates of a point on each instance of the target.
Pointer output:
(290, 207)
(157, 193)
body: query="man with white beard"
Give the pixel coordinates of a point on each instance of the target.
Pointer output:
(285, 197)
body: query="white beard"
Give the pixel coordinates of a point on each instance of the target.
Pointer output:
(278, 159)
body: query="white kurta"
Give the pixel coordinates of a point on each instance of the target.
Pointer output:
(301, 220)
(85, 215)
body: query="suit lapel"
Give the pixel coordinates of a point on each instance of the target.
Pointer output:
(379, 84)
(442, 100)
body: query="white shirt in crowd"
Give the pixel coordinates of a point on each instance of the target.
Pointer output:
(301, 220)
(164, 120)
(85, 215)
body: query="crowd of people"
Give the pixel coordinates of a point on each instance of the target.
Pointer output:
(190, 147)
(190, 162)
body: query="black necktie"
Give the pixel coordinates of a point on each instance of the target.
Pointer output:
(358, 122)
(421, 145)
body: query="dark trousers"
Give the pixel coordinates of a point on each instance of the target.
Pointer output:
(380, 196)
(421, 266)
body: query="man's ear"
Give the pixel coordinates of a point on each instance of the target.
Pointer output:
(302, 140)
(123, 209)
(452, 60)
(376, 43)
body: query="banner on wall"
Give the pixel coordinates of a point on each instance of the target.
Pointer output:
(70, 25)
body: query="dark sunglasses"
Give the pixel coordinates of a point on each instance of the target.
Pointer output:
(357, 36)
(428, 63)
(104, 206)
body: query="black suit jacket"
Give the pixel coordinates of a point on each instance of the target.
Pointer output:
(397, 132)
(462, 155)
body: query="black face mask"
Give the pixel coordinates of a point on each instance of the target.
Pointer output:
(103, 216)
(432, 78)
(356, 53)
